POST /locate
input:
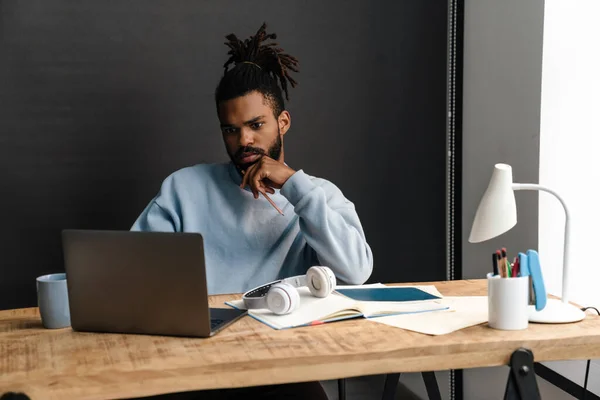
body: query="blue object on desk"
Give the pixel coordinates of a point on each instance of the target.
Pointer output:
(538, 280)
(523, 265)
(529, 265)
(387, 294)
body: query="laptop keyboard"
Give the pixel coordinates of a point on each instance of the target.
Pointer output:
(214, 322)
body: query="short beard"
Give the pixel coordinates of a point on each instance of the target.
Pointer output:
(273, 152)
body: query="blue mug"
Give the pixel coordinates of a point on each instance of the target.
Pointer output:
(53, 300)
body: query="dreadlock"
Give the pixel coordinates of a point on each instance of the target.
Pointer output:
(258, 66)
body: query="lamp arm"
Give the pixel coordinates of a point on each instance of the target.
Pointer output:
(565, 275)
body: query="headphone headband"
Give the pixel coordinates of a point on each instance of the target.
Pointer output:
(296, 281)
(257, 297)
(320, 281)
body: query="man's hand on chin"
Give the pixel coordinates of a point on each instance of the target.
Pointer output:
(265, 175)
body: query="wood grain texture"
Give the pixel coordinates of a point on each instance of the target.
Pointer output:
(59, 364)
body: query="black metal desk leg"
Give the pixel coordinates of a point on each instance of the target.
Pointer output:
(433, 391)
(521, 384)
(342, 389)
(390, 387)
(14, 396)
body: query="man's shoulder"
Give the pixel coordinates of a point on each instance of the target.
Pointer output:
(332, 191)
(326, 184)
(196, 174)
(335, 196)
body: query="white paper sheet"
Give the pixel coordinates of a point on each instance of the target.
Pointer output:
(464, 311)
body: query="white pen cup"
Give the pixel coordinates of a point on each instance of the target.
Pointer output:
(508, 302)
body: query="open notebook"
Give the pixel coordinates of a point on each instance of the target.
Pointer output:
(335, 307)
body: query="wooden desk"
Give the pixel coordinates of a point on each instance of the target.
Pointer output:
(62, 364)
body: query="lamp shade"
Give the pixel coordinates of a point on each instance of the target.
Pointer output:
(497, 211)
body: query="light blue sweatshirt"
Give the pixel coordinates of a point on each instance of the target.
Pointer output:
(246, 241)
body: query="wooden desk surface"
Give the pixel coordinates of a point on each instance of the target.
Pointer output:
(62, 364)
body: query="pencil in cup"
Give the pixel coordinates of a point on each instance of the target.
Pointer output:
(495, 263)
(501, 264)
(503, 267)
(508, 267)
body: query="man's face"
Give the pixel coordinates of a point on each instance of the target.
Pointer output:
(250, 129)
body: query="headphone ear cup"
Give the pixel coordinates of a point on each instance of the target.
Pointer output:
(320, 281)
(282, 298)
(331, 276)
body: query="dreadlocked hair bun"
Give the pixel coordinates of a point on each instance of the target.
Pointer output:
(257, 53)
(258, 65)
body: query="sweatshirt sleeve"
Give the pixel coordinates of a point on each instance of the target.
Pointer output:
(331, 227)
(155, 218)
(163, 213)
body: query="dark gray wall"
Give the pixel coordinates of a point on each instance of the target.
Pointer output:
(101, 100)
(501, 116)
(501, 123)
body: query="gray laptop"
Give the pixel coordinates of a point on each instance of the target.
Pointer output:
(140, 282)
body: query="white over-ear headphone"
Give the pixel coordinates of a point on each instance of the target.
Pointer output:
(281, 297)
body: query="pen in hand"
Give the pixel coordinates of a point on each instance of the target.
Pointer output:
(268, 199)
(272, 203)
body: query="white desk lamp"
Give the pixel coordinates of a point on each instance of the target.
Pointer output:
(497, 213)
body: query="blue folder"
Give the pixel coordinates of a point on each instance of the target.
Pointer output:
(387, 294)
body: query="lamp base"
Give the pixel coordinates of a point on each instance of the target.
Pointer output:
(556, 312)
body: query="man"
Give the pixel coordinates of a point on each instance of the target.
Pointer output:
(247, 241)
